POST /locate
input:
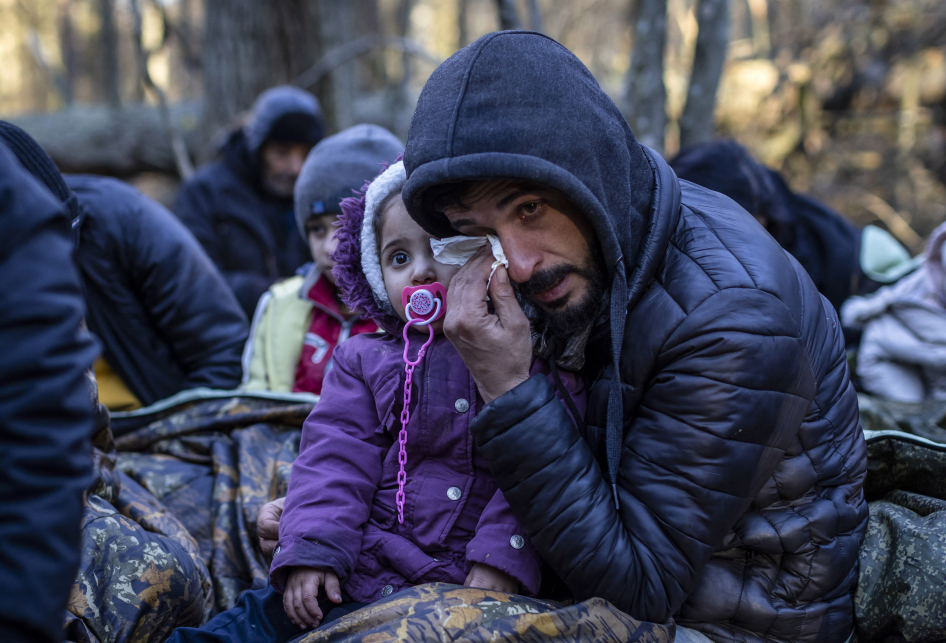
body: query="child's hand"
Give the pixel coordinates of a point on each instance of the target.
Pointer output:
(301, 599)
(486, 577)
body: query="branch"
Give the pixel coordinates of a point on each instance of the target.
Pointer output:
(35, 45)
(184, 166)
(895, 222)
(359, 47)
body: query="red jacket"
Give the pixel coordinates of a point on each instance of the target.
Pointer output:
(329, 328)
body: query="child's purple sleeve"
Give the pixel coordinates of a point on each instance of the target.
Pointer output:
(501, 542)
(334, 478)
(570, 382)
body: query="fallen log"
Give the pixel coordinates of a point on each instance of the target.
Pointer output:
(120, 141)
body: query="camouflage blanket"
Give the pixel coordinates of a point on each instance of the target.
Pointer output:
(169, 528)
(439, 612)
(170, 536)
(901, 591)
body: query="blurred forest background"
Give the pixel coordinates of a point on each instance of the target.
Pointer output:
(846, 97)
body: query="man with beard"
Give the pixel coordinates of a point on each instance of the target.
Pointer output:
(240, 207)
(716, 478)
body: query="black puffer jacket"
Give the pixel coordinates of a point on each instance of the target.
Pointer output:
(166, 317)
(733, 429)
(249, 234)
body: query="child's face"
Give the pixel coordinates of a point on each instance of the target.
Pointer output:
(406, 257)
(320, 230)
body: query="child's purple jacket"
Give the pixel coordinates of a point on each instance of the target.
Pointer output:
(340, 512)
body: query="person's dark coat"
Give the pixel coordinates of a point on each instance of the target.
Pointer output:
(166, 318)
(721, 418)
(248, 233)
(824, 243)
(46, 408)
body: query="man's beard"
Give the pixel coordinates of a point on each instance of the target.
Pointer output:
(280, 184)
(562, 320)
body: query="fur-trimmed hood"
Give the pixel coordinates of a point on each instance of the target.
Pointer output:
(357, 268)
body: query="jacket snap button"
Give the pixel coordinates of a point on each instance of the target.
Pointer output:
(454, 493)
(387, 591)
(276, 552)
(461, 405)
(517, 542)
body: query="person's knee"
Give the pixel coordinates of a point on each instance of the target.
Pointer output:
(132, 580)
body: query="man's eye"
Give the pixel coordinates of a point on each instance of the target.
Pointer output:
(399, 258)
(530, 208)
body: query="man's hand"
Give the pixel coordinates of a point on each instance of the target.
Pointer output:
(497, 349)
(486, 577)
(301, 599)
(267, 525)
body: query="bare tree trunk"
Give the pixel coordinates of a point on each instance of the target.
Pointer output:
(646, 95)
(67, 47)
(696, 124)
(250, 46)
(463, 25)
(535, 16)
(402, 100)
(337, 27)
(181, 158)
(110, 51)
(508, 15)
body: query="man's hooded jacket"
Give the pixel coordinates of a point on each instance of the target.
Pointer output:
(166, 318)
(249, 233)
(824, 243)
(721, 420)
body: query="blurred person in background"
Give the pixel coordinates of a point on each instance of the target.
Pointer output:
(240, 206)
(837, 255)
(138, 571)
(166, 318)
(299, 321)
(902, 353)
(46, 408)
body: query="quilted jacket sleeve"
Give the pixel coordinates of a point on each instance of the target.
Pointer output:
(335, 477)
(725, 397)
(188, 301)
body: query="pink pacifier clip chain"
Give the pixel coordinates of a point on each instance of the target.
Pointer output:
(409, 367)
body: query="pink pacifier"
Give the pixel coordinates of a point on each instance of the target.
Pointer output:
(422, 305)
(425, 303)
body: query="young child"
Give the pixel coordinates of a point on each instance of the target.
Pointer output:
(300, 320)
(345, 527)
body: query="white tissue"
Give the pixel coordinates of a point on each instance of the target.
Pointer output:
(456, 251)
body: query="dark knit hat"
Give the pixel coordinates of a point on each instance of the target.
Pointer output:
(38, 163)
(286, 114)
